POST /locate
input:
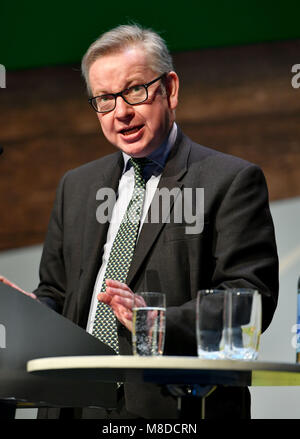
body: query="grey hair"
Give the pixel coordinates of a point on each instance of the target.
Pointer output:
(120, 37)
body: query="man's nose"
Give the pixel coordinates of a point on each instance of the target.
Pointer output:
(123, 110)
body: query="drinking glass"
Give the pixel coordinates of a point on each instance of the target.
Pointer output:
(148, 332)
(242, 324)
(228, 324)
(210, 324)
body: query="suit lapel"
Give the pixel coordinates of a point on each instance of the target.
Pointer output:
(175, 168)
(94, 233)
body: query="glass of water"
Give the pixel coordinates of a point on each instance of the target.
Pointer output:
(242, 322)
(228, 324)
(148, 332)
(210, 332)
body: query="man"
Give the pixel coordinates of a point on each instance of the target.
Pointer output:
(134, 91)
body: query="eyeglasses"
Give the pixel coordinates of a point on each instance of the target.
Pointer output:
(132, 96)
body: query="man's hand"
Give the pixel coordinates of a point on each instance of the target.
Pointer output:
(120, 298)
(11, 284)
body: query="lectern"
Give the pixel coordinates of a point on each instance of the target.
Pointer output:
(29, 329)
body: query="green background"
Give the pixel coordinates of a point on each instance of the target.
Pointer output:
(37, 33)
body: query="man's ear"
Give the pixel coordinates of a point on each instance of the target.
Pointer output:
(172, 89)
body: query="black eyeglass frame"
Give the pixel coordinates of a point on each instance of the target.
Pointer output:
(120, 93)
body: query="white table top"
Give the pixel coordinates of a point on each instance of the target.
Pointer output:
(104, 367)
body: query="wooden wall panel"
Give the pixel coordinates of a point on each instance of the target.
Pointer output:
(238, 100)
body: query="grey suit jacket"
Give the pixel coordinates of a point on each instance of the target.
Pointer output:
(236, 248)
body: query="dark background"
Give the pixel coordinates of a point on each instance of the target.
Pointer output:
(234, 60)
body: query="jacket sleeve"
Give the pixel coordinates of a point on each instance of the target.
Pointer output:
(244, 254)
(245, 249)
(52, 286)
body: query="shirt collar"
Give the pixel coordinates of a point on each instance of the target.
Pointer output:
(157, 159)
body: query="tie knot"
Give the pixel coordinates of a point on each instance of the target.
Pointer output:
(138, 165)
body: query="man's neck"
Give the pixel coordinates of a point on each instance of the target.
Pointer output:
(159, 156)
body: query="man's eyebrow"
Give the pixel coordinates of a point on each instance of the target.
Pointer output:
(101, 92)
(130, 83)
(134, 81)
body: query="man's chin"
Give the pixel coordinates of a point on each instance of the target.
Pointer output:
(137, 149)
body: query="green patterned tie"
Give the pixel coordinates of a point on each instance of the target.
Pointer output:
(105, 327)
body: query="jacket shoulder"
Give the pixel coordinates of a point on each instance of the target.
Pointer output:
(93, 167)
(219, 161)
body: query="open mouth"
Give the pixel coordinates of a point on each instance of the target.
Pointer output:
(133, 130)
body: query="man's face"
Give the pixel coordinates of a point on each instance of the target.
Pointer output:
(135, 129)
